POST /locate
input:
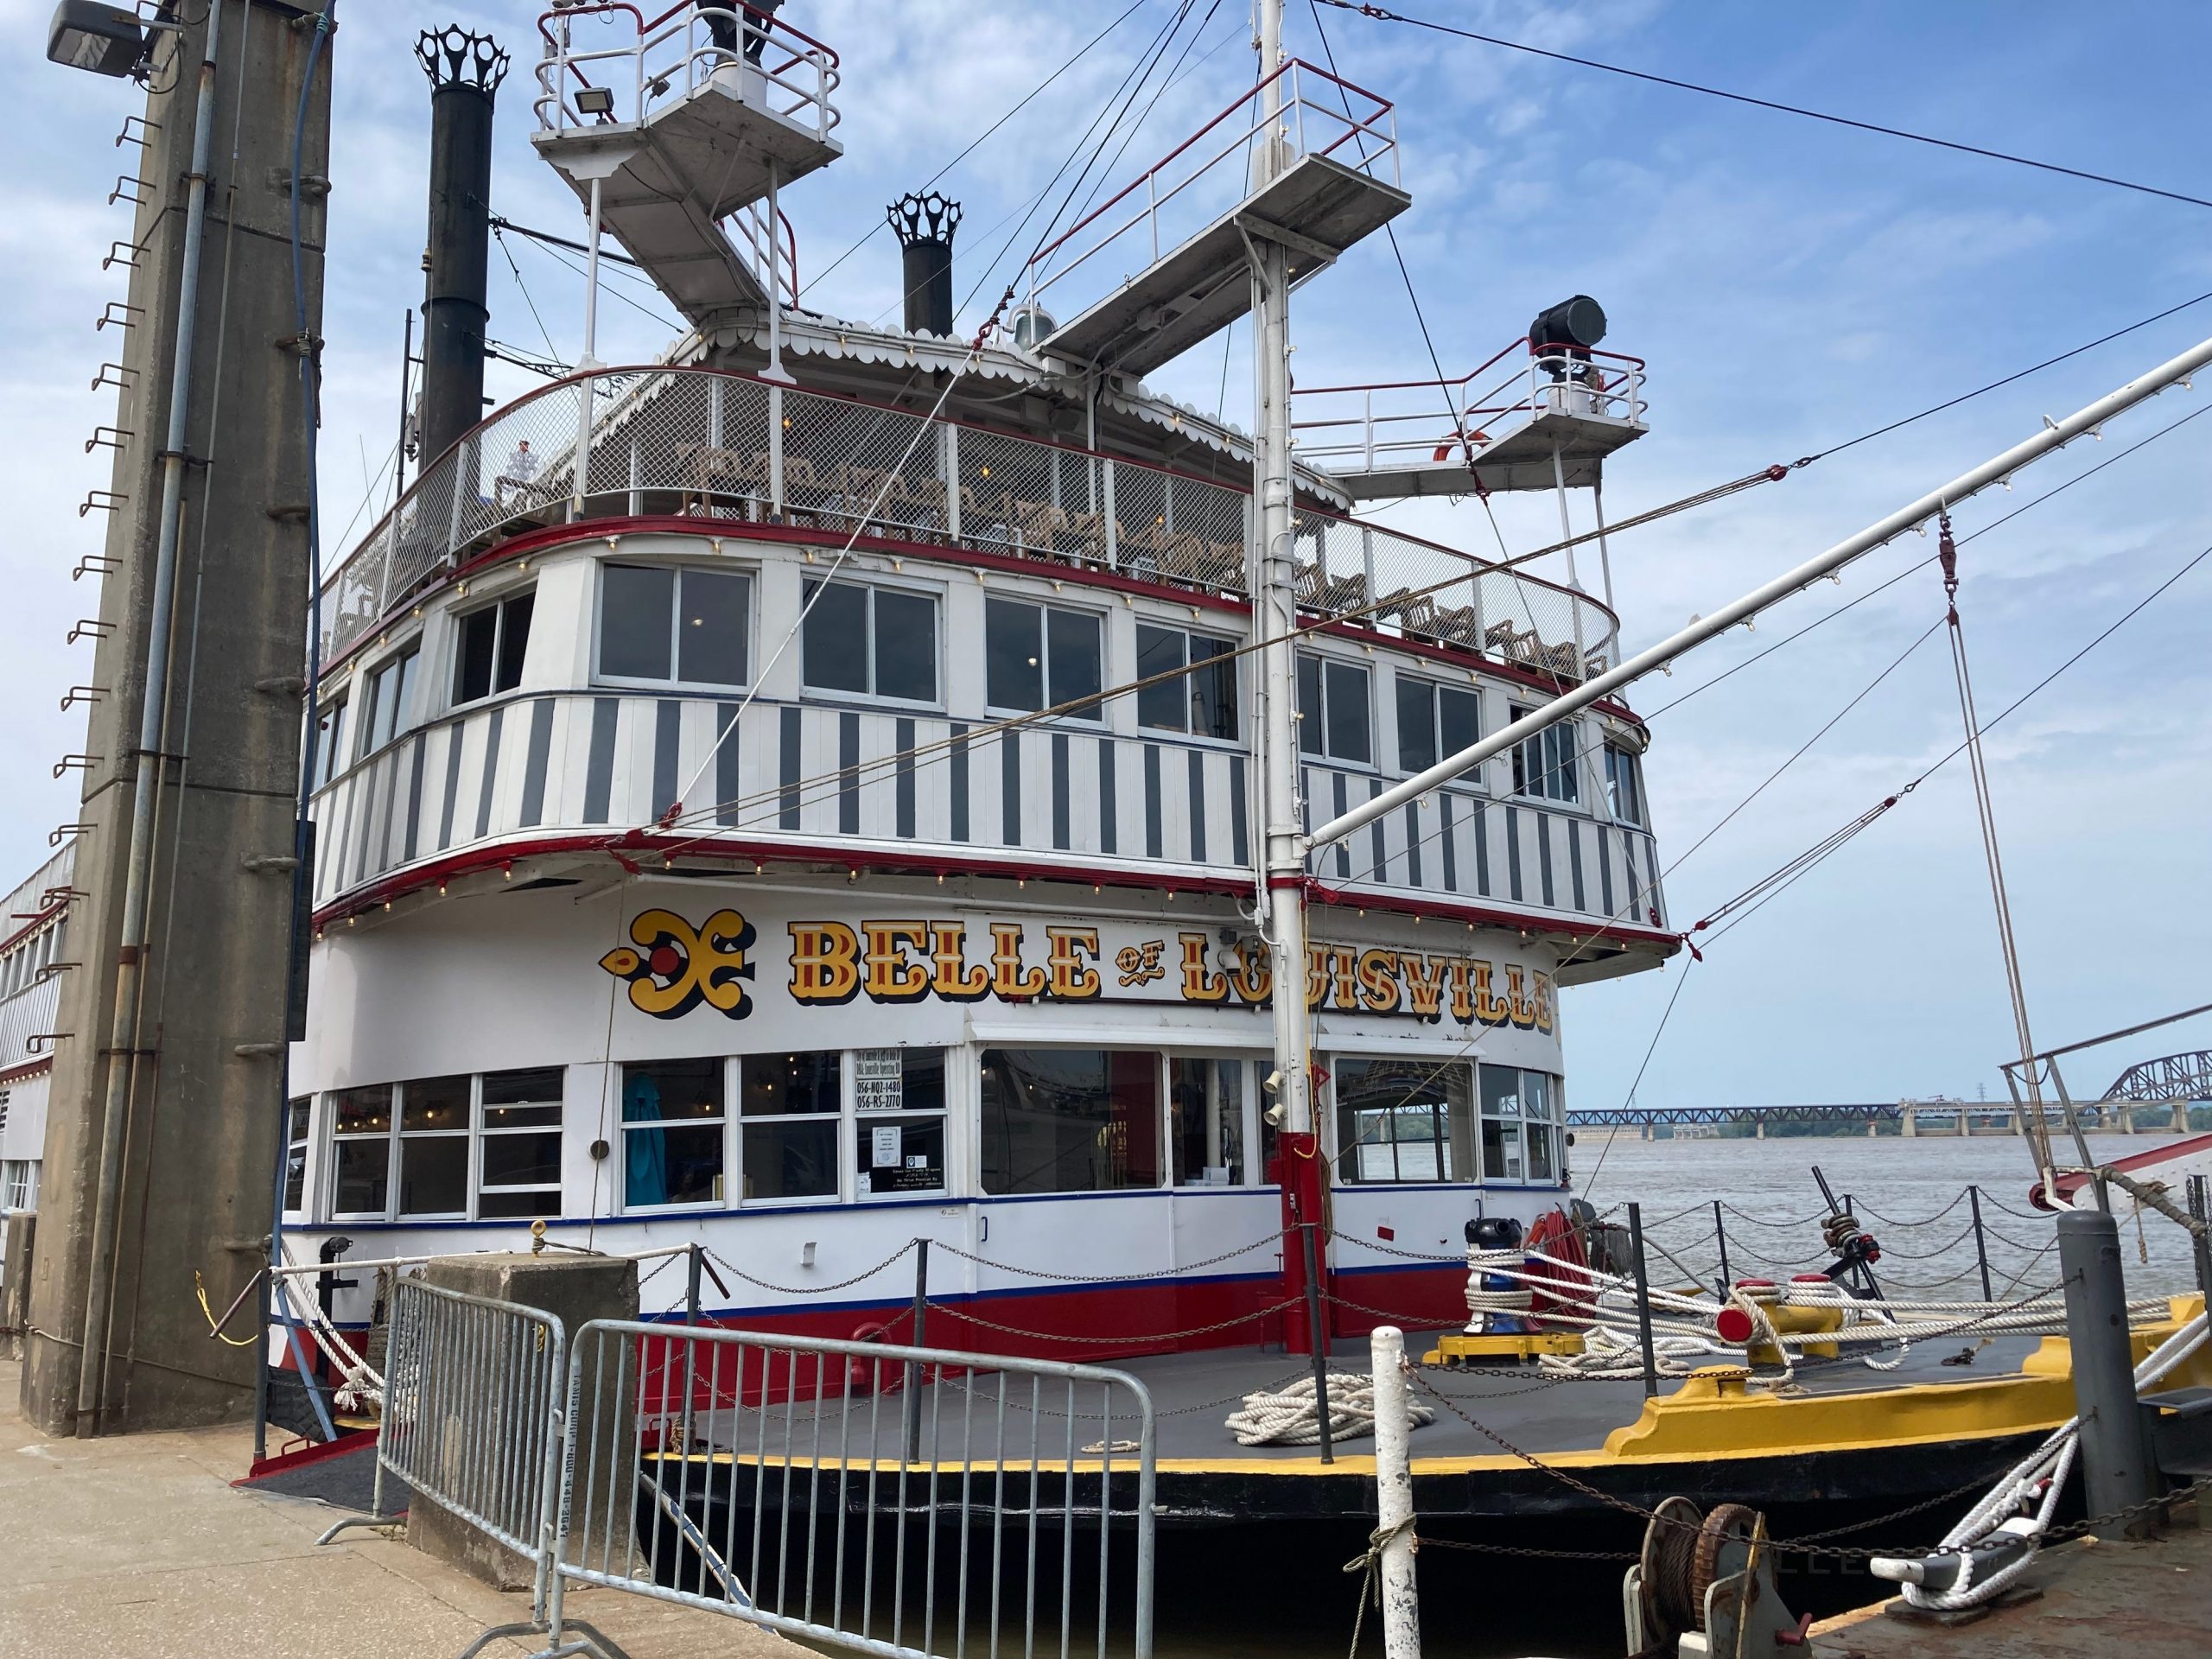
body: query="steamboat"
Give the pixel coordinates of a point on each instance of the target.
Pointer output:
(809, 794)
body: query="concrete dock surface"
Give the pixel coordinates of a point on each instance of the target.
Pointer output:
(139, 1546)
(2148, 1600)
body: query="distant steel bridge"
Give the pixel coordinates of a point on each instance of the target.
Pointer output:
(2178, 1077)
(1644, 1117)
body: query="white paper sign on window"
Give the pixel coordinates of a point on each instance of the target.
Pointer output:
(888, 1149)
(879, 1079)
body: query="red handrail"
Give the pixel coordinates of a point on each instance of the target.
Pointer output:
(1242, 99)
(1462, 379)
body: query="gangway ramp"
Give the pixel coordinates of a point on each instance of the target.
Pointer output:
(681, 132)
(1339, 185)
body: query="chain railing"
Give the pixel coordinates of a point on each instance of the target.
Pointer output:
(1404, 425)
(724, 446)
(647, 63)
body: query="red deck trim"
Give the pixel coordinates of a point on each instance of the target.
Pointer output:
(632, 847)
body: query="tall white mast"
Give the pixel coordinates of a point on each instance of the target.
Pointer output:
(1276, 617)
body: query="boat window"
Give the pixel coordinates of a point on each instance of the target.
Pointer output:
(659, 624)
(491, 643)
(434, 1146)
(298, 1117)
(383, 704)
(519, 1161)
(1040, 656)
(1069, 1120)
(899, 1110)
(1624, 787)
(1205, 1121)
(790, 1108)
(330, 757)
(1545, 766)
(1521, 1119)
(1202, 702)
(1404, 1120)
(361, 1134)
(1333, 716)
(671, 1133)
(19, 1184)
(1434, 722)
(874, 641)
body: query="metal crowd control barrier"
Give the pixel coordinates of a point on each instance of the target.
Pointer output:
(904, 1502)
(471, 1417)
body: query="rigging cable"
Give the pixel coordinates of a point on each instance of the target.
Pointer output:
(1382, 15)
(2012, 707)
(1080, 53)
(1986, 811)
(1891, 582)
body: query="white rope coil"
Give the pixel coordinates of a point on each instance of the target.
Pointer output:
(1286, 1416)
(1516, 1299)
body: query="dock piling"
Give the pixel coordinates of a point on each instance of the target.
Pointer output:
(1980, 1240)
(913, 1389)
(1317, 1340)
(1642, 1301)
(2116, 1467)
(2199, 1209)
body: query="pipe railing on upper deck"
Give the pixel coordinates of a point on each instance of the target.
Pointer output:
(721, 446)
(1406, 424)
(674, 55)
(1141, 203)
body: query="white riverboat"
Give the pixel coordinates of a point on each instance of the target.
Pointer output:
(830, 815)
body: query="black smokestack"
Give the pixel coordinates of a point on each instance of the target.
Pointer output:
(464, 70)
(926, 225)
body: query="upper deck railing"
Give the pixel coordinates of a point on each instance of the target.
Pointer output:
(670, 56)
(1405, 424)
(1209, 172)
(722, 446)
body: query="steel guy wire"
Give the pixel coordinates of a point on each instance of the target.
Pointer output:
(1381, 15)
(976, 143)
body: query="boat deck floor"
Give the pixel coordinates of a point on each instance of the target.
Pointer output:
(1193, 1393)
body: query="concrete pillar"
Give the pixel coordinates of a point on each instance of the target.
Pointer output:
(1644, 1131)
(197, 1069)
(2180, 1118)
(574, 1289)
(15, 1233)
(1874, 1128)
(1759, 1129)
(1910, 1129)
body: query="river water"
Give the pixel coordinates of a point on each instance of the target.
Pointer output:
(1283, 1596)
(1906, 1193)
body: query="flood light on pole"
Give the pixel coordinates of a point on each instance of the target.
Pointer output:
(105, 39)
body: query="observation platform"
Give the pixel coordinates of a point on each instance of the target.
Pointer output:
(1339, 185)
(1525, 420)
(682, 133)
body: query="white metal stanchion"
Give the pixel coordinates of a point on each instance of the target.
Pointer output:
(1393, 1493)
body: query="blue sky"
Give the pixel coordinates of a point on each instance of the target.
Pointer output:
(1791, 284)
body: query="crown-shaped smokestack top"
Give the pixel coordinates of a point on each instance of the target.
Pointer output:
(464, 70)
(454, 57)
(932, 218)
(924, 225)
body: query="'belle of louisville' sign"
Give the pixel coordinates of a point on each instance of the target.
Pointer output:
(673, 967)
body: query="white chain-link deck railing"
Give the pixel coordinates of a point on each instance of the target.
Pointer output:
(721, 446)
(646, 63)
(1406, 424)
